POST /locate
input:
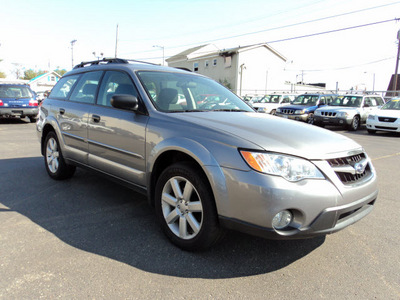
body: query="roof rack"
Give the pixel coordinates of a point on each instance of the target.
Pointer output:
(109, 61)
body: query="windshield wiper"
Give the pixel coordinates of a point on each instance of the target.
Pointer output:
(230, 110)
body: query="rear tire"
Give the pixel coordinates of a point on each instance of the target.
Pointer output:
(185, 207)
(54, 161)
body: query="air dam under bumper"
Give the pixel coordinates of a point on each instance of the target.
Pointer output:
(318, 206)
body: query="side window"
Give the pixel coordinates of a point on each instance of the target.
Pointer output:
(379, 101)
(115, 83)
(322, 100)
(63, 87)
(367, 102)
(85, 90)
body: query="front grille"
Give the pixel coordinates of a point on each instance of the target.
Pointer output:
(345, 168)
(386, 119)
(287, 111)
(328, 114)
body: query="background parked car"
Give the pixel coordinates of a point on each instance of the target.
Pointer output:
(349, 110)
(270, 103)
(303, 107)
(387, 118)
(18, 100)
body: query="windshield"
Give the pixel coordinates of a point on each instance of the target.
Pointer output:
(176, 92)
(392, 105)
(273, 99)
(349, 101)
(260, 99)
(308, 100)
(15, 91)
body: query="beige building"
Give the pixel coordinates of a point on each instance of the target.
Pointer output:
(244, 70)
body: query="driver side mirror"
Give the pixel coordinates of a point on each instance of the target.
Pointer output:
(127, 102)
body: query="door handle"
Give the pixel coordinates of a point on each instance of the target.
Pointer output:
(96, 118)
(62, 111)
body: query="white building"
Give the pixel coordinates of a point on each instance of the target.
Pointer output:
(44, 82)
(244, 70)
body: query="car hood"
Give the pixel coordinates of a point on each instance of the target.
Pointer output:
(337, 108)
(392, 113)
(265, 104)
(274, 134)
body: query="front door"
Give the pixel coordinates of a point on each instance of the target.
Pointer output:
(116, 137)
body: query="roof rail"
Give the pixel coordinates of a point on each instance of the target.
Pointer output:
(109, 61)
(101, 62)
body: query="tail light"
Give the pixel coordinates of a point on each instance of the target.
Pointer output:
(33, 102)
(1, 102)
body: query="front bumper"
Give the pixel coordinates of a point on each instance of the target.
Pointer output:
(303, 117)
(19, 112)
(319, 207)
(384, 126)
(332, 121)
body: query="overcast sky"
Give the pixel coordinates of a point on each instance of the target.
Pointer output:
(38, 34)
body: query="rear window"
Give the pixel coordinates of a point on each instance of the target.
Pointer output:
(15, 91)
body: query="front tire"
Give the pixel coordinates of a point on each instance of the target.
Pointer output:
(54, 161)
(185, 207)
(355, 123)
(311, 119)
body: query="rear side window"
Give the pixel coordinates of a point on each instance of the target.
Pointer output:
(86, 88)
(115, 83)
(64, 86)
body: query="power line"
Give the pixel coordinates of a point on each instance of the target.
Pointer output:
(276, 28)
(343, 68)
(330, 31)
(315, 34)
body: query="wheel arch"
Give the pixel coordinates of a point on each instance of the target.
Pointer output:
(183, 150)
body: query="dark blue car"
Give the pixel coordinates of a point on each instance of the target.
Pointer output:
(18, 100)
(303, 107)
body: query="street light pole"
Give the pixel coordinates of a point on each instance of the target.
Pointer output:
(72, 52)
(397, 65)
(162, 47)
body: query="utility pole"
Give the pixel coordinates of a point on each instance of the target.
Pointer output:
(116, 42)
(242, 67)
(162, 47)
(397, 64)
(72, 51)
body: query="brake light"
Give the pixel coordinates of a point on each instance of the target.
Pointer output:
(1, 102)
(33, 102)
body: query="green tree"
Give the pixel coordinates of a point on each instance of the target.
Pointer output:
(30, 74)
(60, 72)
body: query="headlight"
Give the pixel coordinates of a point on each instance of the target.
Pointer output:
(299, 112)
(278, 110)
(343, 114)
(317, 113)
(289, 167)
(371, 117)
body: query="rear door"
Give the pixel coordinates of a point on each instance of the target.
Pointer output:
(116, 137)
(73, 98)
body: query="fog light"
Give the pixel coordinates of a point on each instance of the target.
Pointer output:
(282, 219)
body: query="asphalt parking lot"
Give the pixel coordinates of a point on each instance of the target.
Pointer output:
(90, 238)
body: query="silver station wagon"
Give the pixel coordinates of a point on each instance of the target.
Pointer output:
(204, 165)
